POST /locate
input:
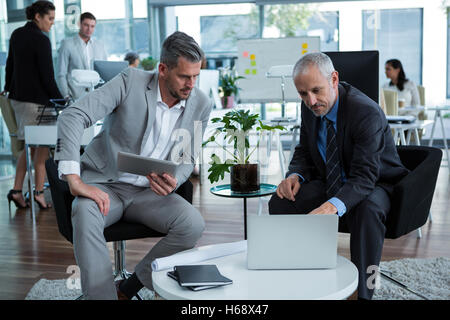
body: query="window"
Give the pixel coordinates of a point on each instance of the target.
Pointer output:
(397, 34)
(220, 33)
(325, 25)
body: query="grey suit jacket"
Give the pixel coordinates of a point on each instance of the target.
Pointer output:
(71, 56)
(128, 102)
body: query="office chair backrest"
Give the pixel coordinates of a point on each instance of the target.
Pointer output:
(62, 199)
(391, 102)
(421, 90)
(410, 204)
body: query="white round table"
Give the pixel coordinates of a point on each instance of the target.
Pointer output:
(325, 284)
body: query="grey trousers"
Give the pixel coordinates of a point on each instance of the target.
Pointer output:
(169, 214)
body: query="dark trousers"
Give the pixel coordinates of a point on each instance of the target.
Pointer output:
(365, 223)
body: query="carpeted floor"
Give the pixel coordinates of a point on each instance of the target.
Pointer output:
(429, 277)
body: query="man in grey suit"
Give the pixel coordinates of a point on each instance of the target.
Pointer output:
(145, 113)
(78, 52)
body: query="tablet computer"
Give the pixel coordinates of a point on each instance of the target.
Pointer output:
(133, 163)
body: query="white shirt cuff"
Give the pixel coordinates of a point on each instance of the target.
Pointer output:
(66, 167)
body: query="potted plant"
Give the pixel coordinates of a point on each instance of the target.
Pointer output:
(228, 86)
(236, 126)
(149, 63)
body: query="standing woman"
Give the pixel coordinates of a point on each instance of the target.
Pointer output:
(31, 83)
(406, 89)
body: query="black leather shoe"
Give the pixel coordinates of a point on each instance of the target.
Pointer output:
(120, 294)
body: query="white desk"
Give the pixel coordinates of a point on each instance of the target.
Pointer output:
(409, 128)
(328, 284)
(45, 136)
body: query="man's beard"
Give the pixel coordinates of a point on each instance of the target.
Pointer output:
(173, 93)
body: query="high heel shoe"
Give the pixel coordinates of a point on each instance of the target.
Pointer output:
(11, 198)
(41, 206)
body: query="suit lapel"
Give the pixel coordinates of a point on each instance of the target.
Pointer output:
(150, 96)
(341, 123)
(186, 121)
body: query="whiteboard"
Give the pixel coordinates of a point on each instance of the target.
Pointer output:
(256, 56)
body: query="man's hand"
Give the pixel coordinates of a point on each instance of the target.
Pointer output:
(79, 189)
(289, 187)
(162, 184)
(325, 208)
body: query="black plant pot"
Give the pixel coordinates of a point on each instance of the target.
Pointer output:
(244, 178)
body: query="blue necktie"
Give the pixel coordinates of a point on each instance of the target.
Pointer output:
(333, 169)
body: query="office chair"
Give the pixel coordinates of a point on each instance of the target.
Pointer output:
(421, 90)
(117, 233)
(391, 102)
(410, 205)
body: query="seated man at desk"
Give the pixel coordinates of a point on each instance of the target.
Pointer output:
(143, 110)
(346, 162)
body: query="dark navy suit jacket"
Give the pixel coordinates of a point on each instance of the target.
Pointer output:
(366, 148)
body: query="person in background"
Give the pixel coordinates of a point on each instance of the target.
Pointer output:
(133, 59)
(30, 83)
(79, 52)
(407, 90)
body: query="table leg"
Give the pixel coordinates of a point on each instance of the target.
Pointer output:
(402, 137)
(408, 137)
(430, 143)
(245, 218)
(443, 136)
(416, 136)
(281, 155)
(30, 180)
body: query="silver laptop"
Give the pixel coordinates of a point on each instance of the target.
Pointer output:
(292, 241)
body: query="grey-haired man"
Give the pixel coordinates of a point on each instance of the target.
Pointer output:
(142, 111)
(346, 162)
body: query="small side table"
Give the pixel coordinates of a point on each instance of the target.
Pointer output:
(265, 189)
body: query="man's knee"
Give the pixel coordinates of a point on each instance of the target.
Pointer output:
(86, 214)
(190, 226)
(280, 206)
(368, 214)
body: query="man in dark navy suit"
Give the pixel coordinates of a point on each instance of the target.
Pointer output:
(346, 162)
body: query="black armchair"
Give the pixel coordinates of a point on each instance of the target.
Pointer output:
(118, 232)
(413, 194)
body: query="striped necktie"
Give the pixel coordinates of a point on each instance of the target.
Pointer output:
(333, 181)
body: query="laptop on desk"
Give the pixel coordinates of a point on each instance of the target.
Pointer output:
(292, 241)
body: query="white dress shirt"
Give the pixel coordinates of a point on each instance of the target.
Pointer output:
(158, 144)
(88, 51)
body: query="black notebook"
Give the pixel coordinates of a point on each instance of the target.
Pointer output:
(174, 276)
(200, 275)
